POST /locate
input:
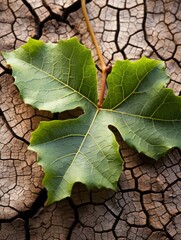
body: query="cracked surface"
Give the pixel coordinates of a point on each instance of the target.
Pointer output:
(148, 203)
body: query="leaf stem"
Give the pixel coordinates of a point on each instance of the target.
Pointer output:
(103, 65)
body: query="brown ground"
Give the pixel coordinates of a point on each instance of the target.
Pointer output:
(148, 203)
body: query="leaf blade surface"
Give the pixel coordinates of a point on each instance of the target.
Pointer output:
(149, 115)
(79, 154)
(54, 77)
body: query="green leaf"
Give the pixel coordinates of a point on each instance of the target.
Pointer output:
(62, 76)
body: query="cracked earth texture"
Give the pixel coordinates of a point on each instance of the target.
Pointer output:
(148, 203)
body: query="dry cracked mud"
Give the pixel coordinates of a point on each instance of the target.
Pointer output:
(148, 203)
